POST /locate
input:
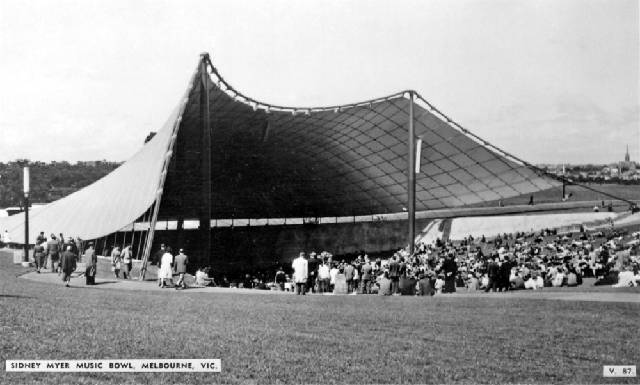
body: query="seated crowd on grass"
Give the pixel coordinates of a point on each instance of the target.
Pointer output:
(507, 262)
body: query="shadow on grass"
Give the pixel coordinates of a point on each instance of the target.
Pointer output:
(15, 296)
(21, 273)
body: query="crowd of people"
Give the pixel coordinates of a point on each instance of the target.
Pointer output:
(507, 262)
(59, 254)
(169, 265)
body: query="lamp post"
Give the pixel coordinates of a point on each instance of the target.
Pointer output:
(25, 257)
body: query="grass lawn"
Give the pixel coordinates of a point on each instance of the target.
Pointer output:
(314, 339)
(630, 192)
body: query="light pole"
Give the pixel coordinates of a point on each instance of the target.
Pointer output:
(25, 257)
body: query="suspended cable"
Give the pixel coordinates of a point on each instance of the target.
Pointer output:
(537, 169)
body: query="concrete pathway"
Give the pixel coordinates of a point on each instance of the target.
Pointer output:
(135, 285)
(131, 284)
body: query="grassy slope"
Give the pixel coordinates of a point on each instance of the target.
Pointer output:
(356, 339)
(631, 192)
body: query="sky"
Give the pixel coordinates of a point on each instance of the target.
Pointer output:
(550, 81)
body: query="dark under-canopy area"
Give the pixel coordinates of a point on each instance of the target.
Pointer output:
(278, 162)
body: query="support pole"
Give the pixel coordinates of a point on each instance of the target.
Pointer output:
(26, 190)
(205, 208)
(155, 208)
(411, 188)
(25, 258)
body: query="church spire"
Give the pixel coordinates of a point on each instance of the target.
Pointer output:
(626, 156)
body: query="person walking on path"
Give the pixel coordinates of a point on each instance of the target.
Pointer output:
(91, 260)
(68, 265)
(116, 261)
(180, 262)
(166, 272)
(127, 262)
(61, 249)
(53, 251)
(38, 256)
(157, 257)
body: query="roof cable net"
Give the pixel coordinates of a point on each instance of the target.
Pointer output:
(274, 162)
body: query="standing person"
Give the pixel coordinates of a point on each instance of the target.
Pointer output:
(38, 256)
(61, 249)
(493, 273)
(67, 265)
(504, 273)
(157, 257)
(450, 268)
(53, 251)
(91, 260)
(280, 279)
(166, 272)
(74, 246)
(300, 273)
(127, 262)
(180, 262)
(41, 238)
(324, 277)
(333, 274)
(116, 261)
(62, 243)
(313, 263)
(394, 274)
(357, 277)
(365, 282)
(349, 274)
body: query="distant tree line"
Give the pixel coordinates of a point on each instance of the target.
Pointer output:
(601, 180)
(49, 181)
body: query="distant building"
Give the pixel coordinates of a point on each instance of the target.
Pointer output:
(627, 164)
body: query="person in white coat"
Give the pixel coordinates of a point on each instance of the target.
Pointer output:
(300, 274)
(165, 274)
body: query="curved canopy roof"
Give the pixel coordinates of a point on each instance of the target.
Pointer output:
(277, 162)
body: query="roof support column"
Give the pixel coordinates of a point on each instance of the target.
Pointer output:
(205, 204)
(411, 188)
